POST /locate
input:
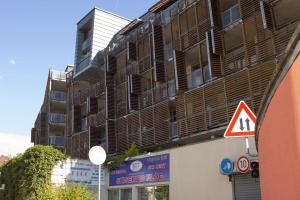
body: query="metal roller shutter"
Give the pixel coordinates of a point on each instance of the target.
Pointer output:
(246, 187)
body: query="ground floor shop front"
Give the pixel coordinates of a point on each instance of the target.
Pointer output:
(191, 172)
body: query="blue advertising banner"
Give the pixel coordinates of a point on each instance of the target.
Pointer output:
(151, 169)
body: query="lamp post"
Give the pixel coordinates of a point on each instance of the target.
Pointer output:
(97, 156)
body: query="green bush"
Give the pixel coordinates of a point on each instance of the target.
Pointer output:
(72, 192)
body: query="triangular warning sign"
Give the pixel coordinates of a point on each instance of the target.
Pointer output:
(242, 123)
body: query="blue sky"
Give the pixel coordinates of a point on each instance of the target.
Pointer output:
(36, 35)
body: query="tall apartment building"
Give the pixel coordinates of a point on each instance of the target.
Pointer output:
(170, 82)
(49, 127)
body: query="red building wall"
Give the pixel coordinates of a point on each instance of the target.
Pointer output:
(279, 140)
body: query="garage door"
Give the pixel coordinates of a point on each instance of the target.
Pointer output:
(246, 187)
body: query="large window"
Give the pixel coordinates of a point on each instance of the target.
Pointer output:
(153, 193)
(122, 194)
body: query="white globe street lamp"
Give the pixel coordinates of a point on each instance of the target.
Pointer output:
(97, 156)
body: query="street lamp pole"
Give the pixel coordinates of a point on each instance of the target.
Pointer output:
(97, 156)
(99, 184)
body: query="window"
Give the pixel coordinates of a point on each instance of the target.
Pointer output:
(84, 125)
(230, 16)
(193, 69)
(122, 194)
(154, 193)
(58, 96)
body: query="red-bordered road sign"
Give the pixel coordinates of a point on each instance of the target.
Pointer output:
(243, 165)
(242, 123)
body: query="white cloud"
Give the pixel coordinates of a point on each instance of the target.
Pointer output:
(11, 144)
(12, 61)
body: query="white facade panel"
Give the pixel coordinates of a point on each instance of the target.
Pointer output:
(103, 27)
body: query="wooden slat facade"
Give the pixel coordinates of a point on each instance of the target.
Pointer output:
(207, 91)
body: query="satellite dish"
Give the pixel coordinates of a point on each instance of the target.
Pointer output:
(97, 155)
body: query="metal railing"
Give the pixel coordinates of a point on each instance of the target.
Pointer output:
(58, 75)
(57, 118)
(58, 96)
(57, 141)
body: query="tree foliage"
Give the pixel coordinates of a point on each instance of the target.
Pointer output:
(28, 174)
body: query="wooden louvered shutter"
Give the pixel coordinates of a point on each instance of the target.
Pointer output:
(77, 118)
(111, 64)
(248, 7)
(181, 80)
(110, 98)
(121, 134)
(213, 59)
(216, 42)
(135, 84)
(111, 136)
(93, 105)
(266, 15)
(159, 53)
(214, 15)
(94, 136)
(131, 51)
(134, 89)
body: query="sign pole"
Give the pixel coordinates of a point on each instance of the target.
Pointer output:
(247, 146)
(99, 184)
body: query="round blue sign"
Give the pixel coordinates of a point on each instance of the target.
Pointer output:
(226, 166)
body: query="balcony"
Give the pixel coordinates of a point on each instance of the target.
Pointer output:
(57, 141)
(56, 118)
(58, 96)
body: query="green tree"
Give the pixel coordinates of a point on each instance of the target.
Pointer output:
(29, 174)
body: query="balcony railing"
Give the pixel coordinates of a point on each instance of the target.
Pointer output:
(58, 75)
(58, 96)
(57, 118)
(58, 141)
